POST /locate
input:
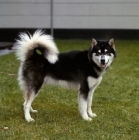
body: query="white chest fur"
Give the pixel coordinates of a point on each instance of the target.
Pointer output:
(93, 82)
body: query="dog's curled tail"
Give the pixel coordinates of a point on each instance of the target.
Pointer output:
(28, 43)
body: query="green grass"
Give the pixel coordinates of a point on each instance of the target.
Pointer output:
(116, 102)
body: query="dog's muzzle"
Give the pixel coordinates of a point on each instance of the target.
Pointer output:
(102, 59)
(103, 62)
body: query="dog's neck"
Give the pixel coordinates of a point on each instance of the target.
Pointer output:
(99, 71)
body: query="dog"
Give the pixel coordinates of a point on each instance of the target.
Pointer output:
(42, 63)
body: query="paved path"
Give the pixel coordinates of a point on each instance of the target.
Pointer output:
(6, 48)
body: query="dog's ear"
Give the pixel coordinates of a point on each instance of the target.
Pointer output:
(111, 43)
(94, 42)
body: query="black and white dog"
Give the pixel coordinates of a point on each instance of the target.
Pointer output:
(41, 63)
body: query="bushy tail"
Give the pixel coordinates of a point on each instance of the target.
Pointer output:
(28, 43)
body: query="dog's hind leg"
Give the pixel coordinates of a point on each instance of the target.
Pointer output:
(32, 90)
(29, 97)
(31, 109)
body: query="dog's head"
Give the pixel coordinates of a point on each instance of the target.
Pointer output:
(102, 53)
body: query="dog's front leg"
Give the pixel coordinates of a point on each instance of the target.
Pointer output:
(92, 83)
(82, 102)
(89, 104)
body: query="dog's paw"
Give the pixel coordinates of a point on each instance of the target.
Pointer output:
(86, 117)
(30, 119)
(34, 111)
(89, 119)
(92, 115)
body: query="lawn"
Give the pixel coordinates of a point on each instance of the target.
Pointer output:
(115, 102)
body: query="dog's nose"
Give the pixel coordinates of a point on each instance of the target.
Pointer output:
(103, 59)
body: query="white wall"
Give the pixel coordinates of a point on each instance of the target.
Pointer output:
(70, 14)
(24, 13)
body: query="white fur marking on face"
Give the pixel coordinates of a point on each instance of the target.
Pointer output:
(110, 59)
(105, 50)
(99, 51)
(106, 59)
(96, 59)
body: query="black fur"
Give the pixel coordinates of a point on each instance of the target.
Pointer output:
(73, 66)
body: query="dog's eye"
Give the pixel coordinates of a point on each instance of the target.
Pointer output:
(97, 54)
(108, 54)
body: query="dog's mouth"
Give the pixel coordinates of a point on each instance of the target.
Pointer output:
(103, 65)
